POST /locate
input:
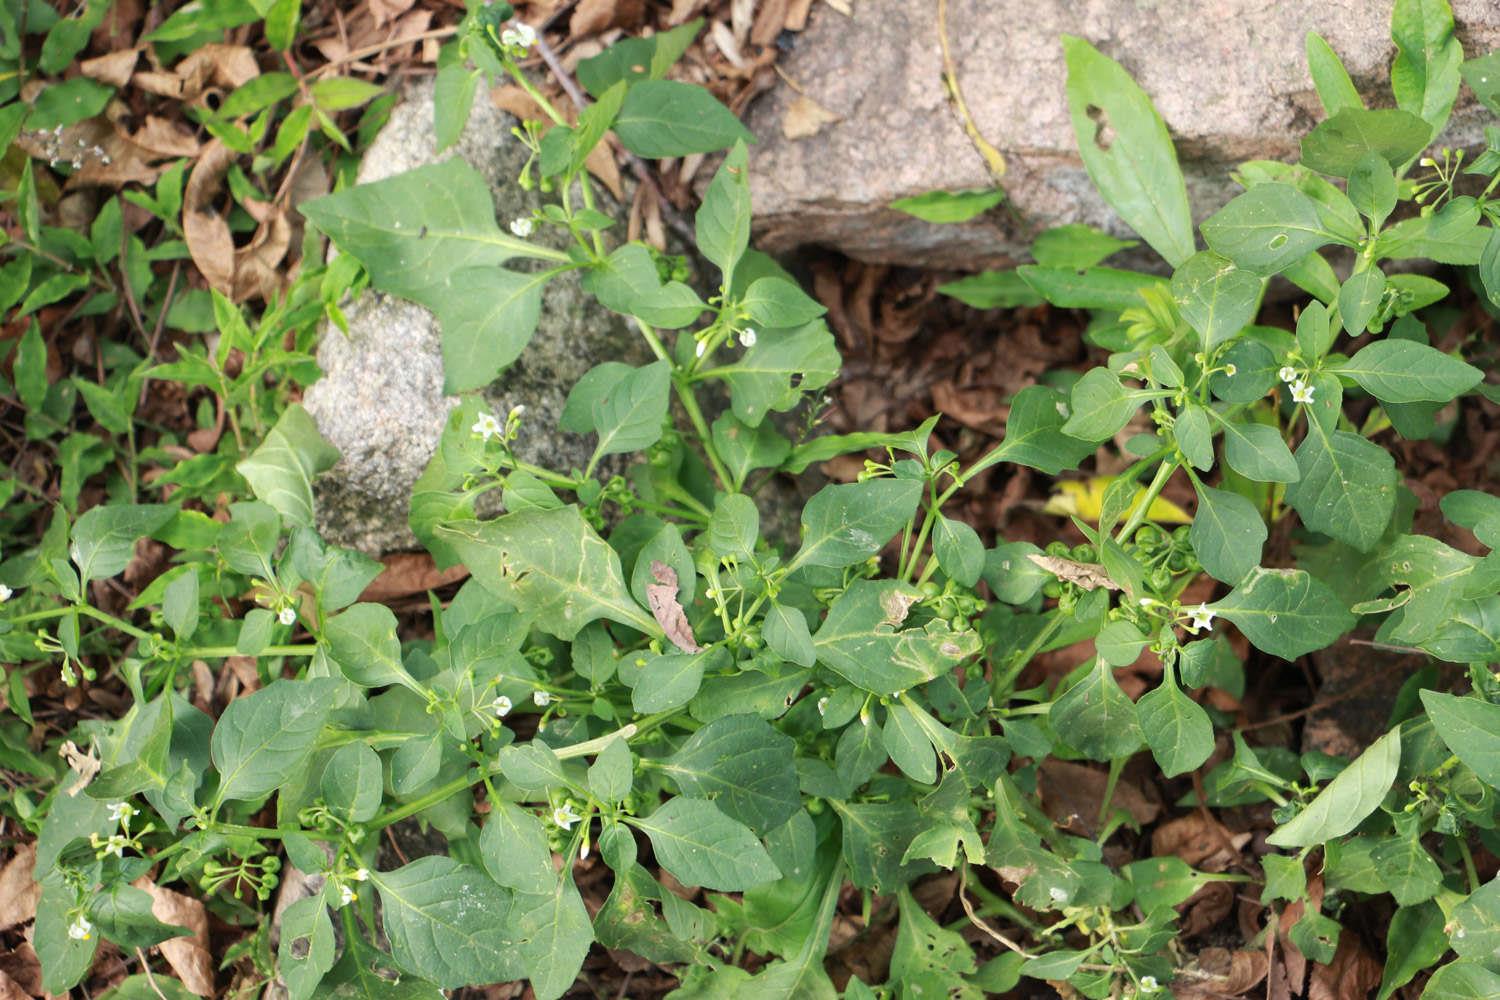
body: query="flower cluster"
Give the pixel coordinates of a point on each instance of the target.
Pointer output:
(1302, 392)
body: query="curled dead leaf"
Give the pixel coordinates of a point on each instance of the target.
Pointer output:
(113, 68)
(662, 596)
(805, 118)
(85, 765)
(189, 957)
(1222, 973)
(207, 231)
(164, 138)
(216, 66)
(18, 891)
(1089, 576)
(408, 573)
(257, 267)
(11, 990)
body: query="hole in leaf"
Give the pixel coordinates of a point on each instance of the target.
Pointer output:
(1278, 241)
(1104, 133)
(300, 947)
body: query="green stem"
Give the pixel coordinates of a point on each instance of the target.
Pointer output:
(1116, 765)
(1006, 677)
(86, 610)
(1469, 867)
(1138, 515)
(215, 652)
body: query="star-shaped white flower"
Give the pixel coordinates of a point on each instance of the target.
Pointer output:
(81, 929)
(564, 816)
(1301, 392)
(522, 227)
(487, 426)
(519, 34)
(502, 706)
(120, 812)
(1287, 374)
(1202, 617)
(541, 698)
(1149, 984)
(115, 845)
(287, 615)
(346, 895)
(5, 593)
(747, 337)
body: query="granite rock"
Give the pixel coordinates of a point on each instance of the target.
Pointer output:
(381, 401)
(1229, 77)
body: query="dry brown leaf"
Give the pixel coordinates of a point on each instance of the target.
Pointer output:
(386, 11)
(85, 765)
(1352, 974)
(593, 16)
(769, 20)
(1232, 974)
(726, 42)
(189, 957)
(257, 267)
(1072, 793)
(601, 163)
(11, 990)
(18, 892)
(408, 573)
(114, 68)
(1089, 576)
(796, 14)
(684, 9)
(165, 138)
(216, 65)
(158, 82)
(845, 7)
(662, 597)
(741, 17)
(1197, 841)
(207, 232)
(805, 117)
(512, 99)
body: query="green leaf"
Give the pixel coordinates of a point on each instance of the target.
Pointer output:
(701, 846)
(1096, 717)
(555, 937)
(1414, 941)
(31, 362)
(352, 783)
(908, 745)
(551, 564)
(745, 766)
(786, 633)
(307, 949)
(1267, 229)
(1470, 728)
(363, 975)
(1336, 146)
(859, 639)
(1359, 299)
(723, 220)
(362, 641)
(65, 960)
(1216, 298)
(778, 303)
(448, 923)
(630, 413)
(1285, 612)
(670, 681)
(513, 846)
(612, 772)
(1076, 245)
(264, 737)
(1347, 486)
(949, 206)
(779, 369)
(257, 94)
(662, 118)
(339, 93)
(281, 471)
(1482, 74)
(1372, 188)
(180, 607)
(1474, 924)
(104, 537)
(1462, 981)
(452, 100)
(734, 527)
(1257, 452)
(1404, 371)
(1227, 534)
(1100, 406)
(1425, 72)
(844, 524)
(67, 103)
(1345, 801)
(123, 914)
(1091, 288)
(487, 325)
(636, 59)
(628, 282)
(959, 550)
(1034, 435)
(1489, 264)
(1195, 437)
(1335, 90)
(929, 960)
(992, 290)
(1409, 872)
(1127, 151)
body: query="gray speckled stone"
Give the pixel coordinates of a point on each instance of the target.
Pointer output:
(1228, 76)
(381, 402)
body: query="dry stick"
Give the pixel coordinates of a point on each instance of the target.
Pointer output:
(978, 921)
(993, 161)
(378, 47)
(150, 979)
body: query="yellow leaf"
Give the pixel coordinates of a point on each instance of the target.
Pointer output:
(1084, 498)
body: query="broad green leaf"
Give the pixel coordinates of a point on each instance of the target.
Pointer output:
(352, 783)
(362, 641)
(1414, 941)
(670, 680)
(122, 913)
(1372, 188)
(1347, 486)
(1091, 288)
(307, 949)
(992, 290)
(662, 118)
(1474, 924)
(612, 773)
(1359, 300)
(1034, 435)
(701, 846)
(775, 302)
(1216, 298)
(1489, 264)
(875, 838)
(488, 324)
(578, 410)
(635, 59)
(359, 975)
(1100, 406)
(735, 526)
(1425, 72)
(452, 100)
(847, 523)
(262, 738)
(959, 550)
(908, 746)
(1335, 90)
(1096, 717)
(1345, 801)
(929, 960)
(627, 281)
(65, 960)
(1195, 438)
(104, 537)
(449, 923)
(630, 413)
(158, 987)
(551, 564)
(745, 766)
(1227, 534)
(1336, 146)
(723, 220)
(513, 846)
(786, 633)
(281, 471)
(1257, 452)
(949, 206)
(1462, 981)
(68, 103)
(1285, 612)
(861, 640)
(1482, 74)
(779, 369)
(1470, 728)
(1076, 245)
(1127, 151)
(555, 935)
(1410, 874)
(1404, 371)
(1267, 229)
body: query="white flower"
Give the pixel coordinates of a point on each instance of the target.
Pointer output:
(564, 816)
(115, 845)
(120, 812)
(1202, 617)
(520, 34)
(1287, 374)
(1302, 392)
(516, 412)
(362, 875)
(541, 698)
(1149, 984)
(1231, 370)
(487, 426)
(5, 593)
(502, 706)
(346, 895)
(81, 929)
(823, 705)
(702, 346)
(747, 337)
(522, 226)
(287, 615)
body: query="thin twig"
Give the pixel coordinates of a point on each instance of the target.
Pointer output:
(978, 921)
(378, 47)
(150, 979)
